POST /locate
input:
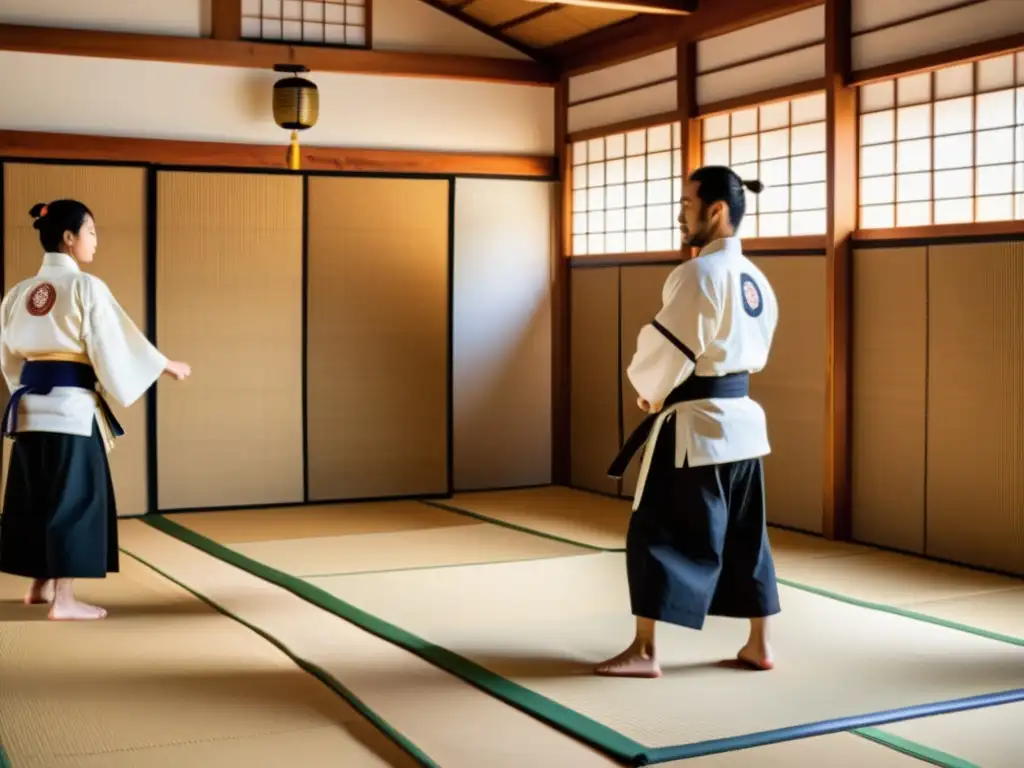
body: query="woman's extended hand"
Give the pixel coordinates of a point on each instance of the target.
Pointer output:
(178, 370)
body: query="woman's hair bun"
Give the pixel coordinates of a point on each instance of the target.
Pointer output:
(37, 210)
(754, 186)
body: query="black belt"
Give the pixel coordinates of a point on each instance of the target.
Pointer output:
(731, 385)
(39, 377)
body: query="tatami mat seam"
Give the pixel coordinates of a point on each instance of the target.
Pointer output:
(559, 716)
(438, 567)
(175, 744)
(316, 671)
(522, 529)
(893, 609)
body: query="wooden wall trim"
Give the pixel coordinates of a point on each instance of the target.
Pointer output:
(625, 126)
(809, 245)
(841, 148)
(72, 147)
(940, 59)
(253, 55)
(978, 229)
(759, 99)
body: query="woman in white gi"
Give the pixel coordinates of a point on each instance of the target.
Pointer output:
(62, 333)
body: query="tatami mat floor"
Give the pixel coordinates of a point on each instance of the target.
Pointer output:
(169, 681)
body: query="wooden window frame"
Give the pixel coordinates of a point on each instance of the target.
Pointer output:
(943, 230)
(678, 167)
(237, 8)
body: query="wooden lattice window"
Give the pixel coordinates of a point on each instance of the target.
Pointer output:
(313, 22)
(627, 189)
(783, 145)
(944, 147)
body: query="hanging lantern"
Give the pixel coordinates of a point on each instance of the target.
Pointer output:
(296, 107)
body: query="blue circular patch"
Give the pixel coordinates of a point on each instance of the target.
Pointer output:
(753, 301)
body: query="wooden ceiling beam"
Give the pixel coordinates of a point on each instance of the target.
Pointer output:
(253, 55)
(543, 10)
(648, 34)
(655, 7)
(460, 14)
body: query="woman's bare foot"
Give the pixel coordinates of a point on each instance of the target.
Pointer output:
(67, 608)
(40, 592)
(638, 660)
(76, 611)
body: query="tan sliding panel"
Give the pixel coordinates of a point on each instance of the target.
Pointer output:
(502, 332)
(117, 197)
(229, 302)
(377, 314)
(594, 370)
(975, 507)
(791, 389)
(641, 301)
(890, 352)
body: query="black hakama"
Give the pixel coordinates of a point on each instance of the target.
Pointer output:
(697, 543)
(60, 517)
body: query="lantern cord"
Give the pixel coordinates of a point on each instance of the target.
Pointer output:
(294, 158)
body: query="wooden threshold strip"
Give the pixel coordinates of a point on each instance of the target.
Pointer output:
(261, 55)
(72, 147)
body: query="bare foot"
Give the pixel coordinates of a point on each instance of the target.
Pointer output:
(41, 591)
(756, 656)
(635, 661)
(76, 611)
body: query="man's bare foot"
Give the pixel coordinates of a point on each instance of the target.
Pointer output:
(757, 656)
(76, 611)
(41, 591)
(635, 661)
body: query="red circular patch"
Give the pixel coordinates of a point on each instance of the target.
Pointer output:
(750, 293)
(41, 299)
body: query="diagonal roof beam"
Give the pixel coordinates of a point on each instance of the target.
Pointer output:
(646, 34)
(456, 12)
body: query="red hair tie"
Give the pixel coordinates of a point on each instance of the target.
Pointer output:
(43, 212)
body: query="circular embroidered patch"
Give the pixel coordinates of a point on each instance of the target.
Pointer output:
(41, 299)
(753, 303)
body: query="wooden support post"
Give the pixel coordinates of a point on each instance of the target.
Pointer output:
(686, 79)
(841, 105)
(561, 310)
(226, 19)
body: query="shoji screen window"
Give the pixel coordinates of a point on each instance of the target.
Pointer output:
(944, 147)
(626, 192)
(783, 145)
(324, 22)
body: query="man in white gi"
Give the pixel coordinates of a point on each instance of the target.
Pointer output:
(697, 543)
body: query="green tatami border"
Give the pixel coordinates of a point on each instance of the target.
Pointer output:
(316, 671)
(892, 609)
(562, 718)
(913, 749)
(5, 761)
